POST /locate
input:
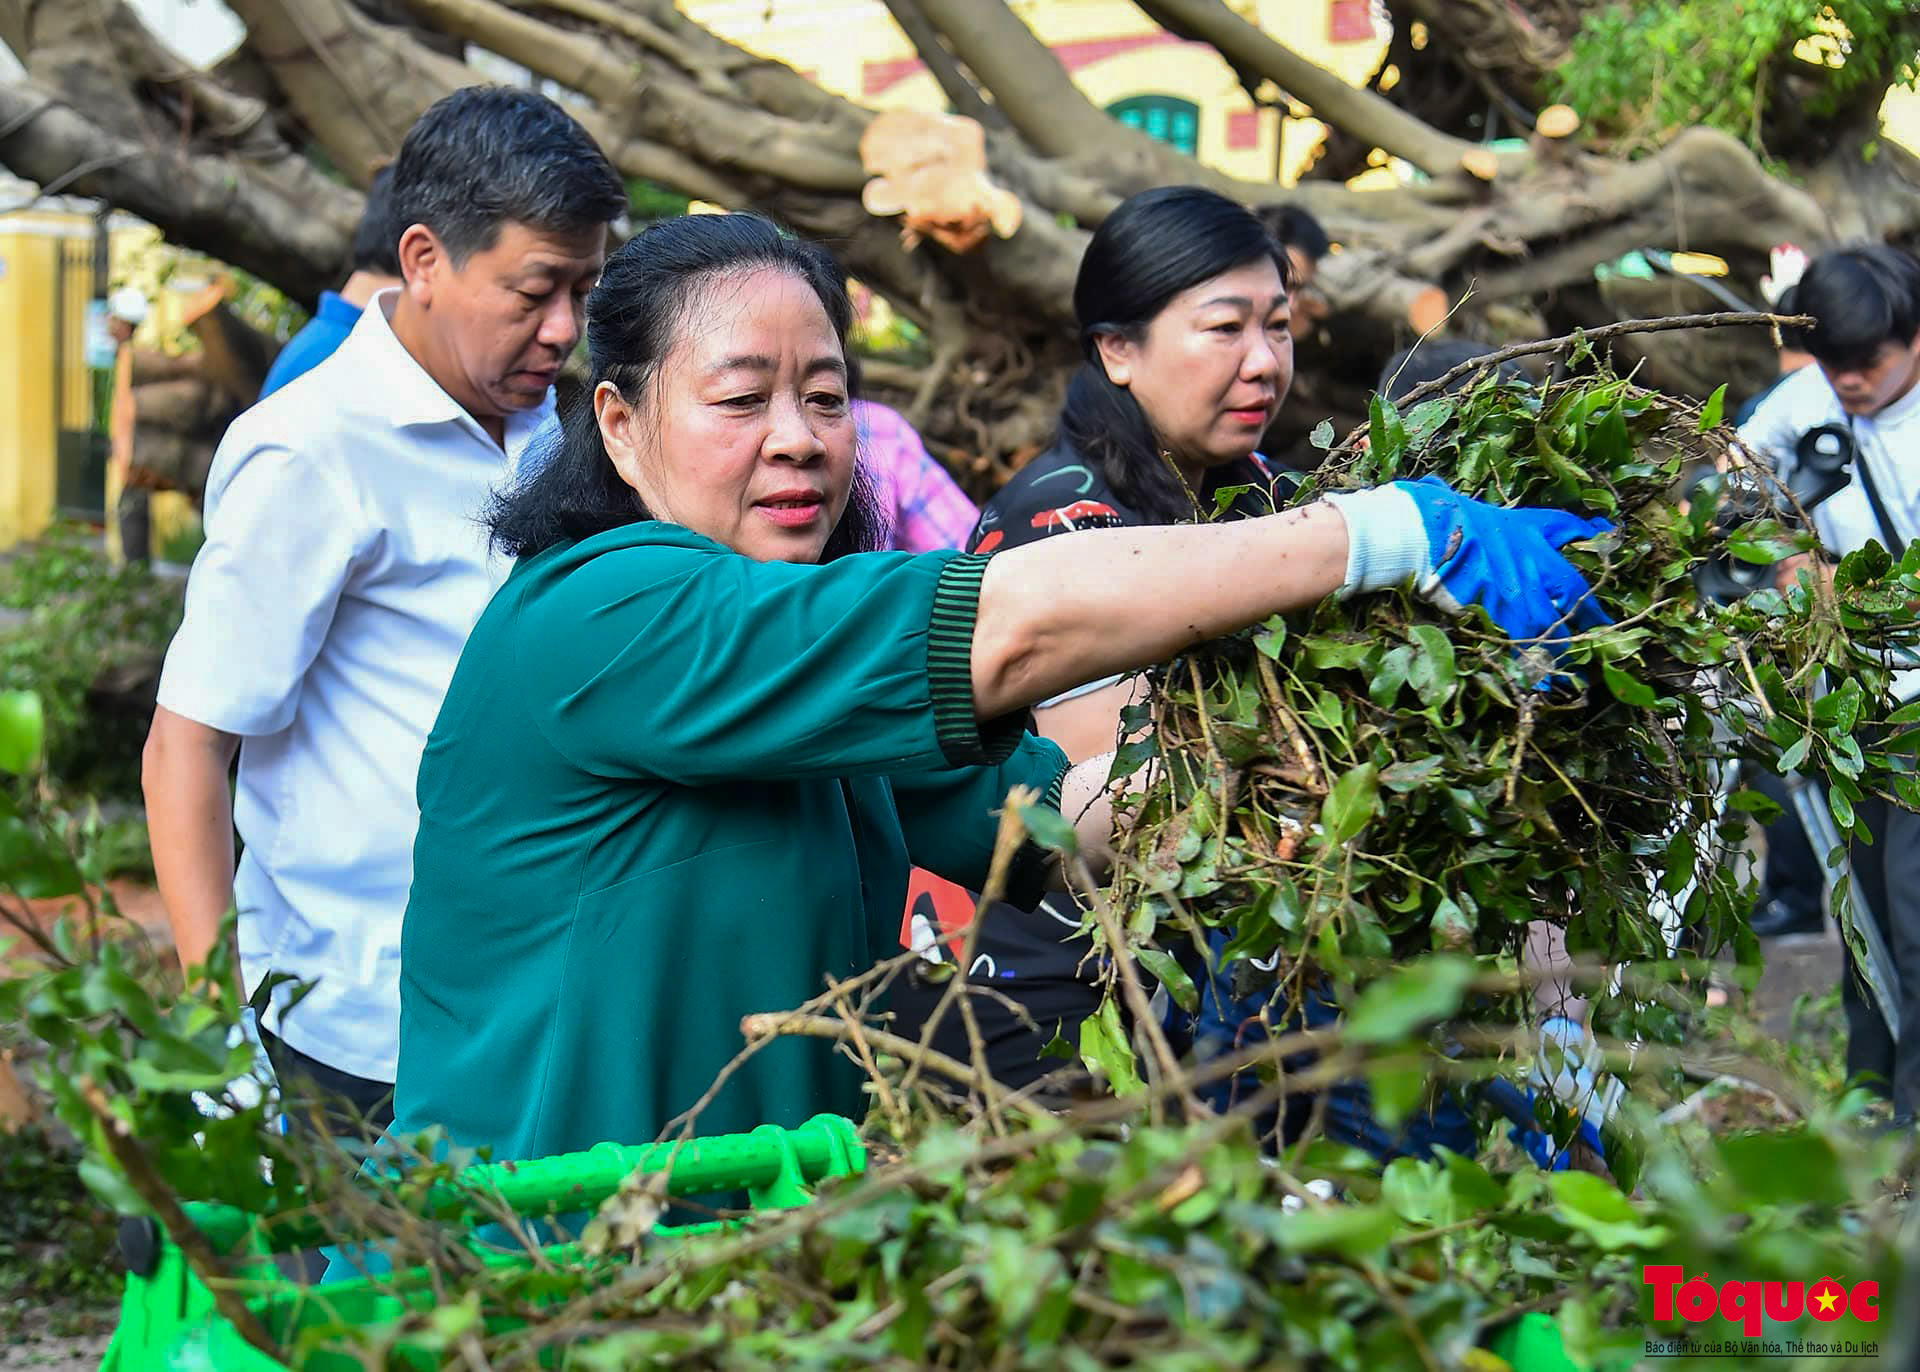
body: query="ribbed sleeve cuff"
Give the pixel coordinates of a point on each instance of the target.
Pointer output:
(1029, 874)
(1386, 538)
(964, 740)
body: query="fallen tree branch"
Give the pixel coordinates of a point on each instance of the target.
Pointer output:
(1029, 83)
(282, 223)
(193, 1245)
(1514, 351)
(929, 1059)
(1370, 117)
(961, 93)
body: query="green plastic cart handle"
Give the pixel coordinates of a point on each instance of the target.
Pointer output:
(774, 1166)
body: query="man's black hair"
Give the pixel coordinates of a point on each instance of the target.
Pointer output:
(1433, 359)
(376, 242)
(1859, 298)
(487, 156)
(1293, 227)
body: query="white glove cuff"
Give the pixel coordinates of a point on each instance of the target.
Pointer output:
(1386, 539)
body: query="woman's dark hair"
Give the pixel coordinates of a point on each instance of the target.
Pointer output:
(1154, 246)
(1859, 298)
(647, 291)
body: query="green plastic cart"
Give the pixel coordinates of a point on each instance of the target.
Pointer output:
(168, 1322)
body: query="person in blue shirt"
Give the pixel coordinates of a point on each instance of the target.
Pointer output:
(374, 267)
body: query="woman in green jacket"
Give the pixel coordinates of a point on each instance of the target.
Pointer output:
(695, 742)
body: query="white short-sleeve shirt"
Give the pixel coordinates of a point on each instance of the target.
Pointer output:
(1888, 442)
(345, 563)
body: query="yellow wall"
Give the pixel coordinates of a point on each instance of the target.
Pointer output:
(841, 43)
(1900, 117)
(29, 244)
(32, 409)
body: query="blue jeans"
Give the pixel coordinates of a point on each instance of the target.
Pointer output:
(1229, 1024)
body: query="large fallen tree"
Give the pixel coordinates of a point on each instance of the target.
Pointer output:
(245, 162)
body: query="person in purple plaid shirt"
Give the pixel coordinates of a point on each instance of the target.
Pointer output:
(926, 510)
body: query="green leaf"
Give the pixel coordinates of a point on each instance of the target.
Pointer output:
(1473, 1186)
(1353, 1231)
(1451, 928)
(1794, 1167)
(23, 728)
(32, 866)
(1839, 710)
(1351, 805)
(1386, 435)
(1763, 808)
(1130, 757)
(1397, 1091)
(1628, 690)
(1433, 674)
(1403, 777)
(1680, 858)
(1322, 435)
(1842, 808)
(1598, 1210)
(1796, 756)
(1716, 406)
(1323, 651)
(1104, 1048)
(1224, 498)
(1397, 1004)
(1764, 544)
(1390, 675)
(1272, 637)
(1427, 419)
(1326, 712)
(1166, 969)
(1049, 828)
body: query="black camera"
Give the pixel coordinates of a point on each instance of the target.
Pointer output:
(1823, 465)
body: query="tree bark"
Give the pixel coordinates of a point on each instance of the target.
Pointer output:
(960, 91)
(1360, 112)
(1510, 48)
(217, 160)
(275, 221)
(230, 186)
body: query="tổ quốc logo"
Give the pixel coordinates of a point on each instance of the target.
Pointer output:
(1739, 1308)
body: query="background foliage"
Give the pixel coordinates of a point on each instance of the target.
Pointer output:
(1645, 71)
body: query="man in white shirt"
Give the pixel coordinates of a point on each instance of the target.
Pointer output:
(345, 563)
(1866, 383)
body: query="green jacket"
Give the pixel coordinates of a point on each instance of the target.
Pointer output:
(671, 786)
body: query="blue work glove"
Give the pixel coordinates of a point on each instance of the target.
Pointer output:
(1571, 1068)
(1548, 1155)
(1462, 551)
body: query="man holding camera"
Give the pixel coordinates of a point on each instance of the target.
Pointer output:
(1863, 396)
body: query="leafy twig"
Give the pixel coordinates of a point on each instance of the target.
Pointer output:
(186, 1235)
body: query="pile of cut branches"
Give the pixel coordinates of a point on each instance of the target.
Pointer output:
(1364, 793)
(1368, 781)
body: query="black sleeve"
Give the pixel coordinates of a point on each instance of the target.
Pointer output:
(1043, 499)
